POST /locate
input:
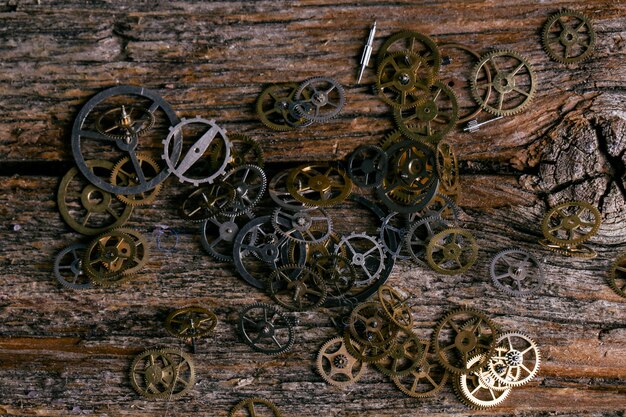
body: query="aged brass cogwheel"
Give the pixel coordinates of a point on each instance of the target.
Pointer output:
(296, 287)
(367, 354)
(108, 257)
(124, 174)
(447, 168)
(403, 79)
(413, 42)
(319, 185)
(337, 366)
(162, 374)
(513, 83)
(207, 201)
(426, 379)
(568, 37)
(190, 322)
(276, 107)
(395, 306)
(571, 223)
(452, 251)
(472, 389)
(405, 357)
(370, 326)
(617, 275)
(255, 407)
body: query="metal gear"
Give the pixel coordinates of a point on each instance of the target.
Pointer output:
(426, 379)
(432, 118)
(413, 42)
(280, 194)
(337, 272)
(310, 226)
(413, 166)
(123, 174)
(249, 182)
(572, 41)
(576, 251)
(447, 168)
(452, 251)
(366, 254)
(395, 306)
(403, 79)
(364, 353)
(68, 268)
(207, 201)
(516, 360)
(319, 185)
(516, 272)
(462, 334)
(255, 407)
(83, 135)
(337, 366)
(392, 233)
(276, 107)
(124, 123)
(419, 235)
(141, 250)
(190, 322)
(571, 223)
(617, 275)
(266, 329)
(195, 166)
(108, 257)
(244, 151)
(405, 357)
(370, 326)
(218, 233)
(162, 374)
(472, 390)
(512, 84)
(296, 287)
(86, 208)
(440, 206)
(326, 98)
(367, 166)
(405, 202)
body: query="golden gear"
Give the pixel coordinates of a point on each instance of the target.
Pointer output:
(571, 223)
(124, 174)
(108, 257)
(162, 374)
(392, 138)
(319, 185)
(575, 251)
(461, 334)
(617, 275)
(296, 287)
(516, 360)
(452, 251)
(369, 325)
(473, 392)
(252, 407)
(366, 354)
(86, 208)
(403, 79)
(141, 250)
(572, 40)
(427, 379)
(123, 123)
(245, 151)
(513, 83)
(208, 201)
(190, 322)
(337, 366)
(404, 357)
(276, 107)
(414, 42)
(432, 118)
(447, 168)
(394, 306)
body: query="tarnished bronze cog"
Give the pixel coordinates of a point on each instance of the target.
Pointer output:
(162, 374)
(452, 251)
(190, 322)
(109, 257)
(414, 42)
(255, 407)
(447, 168)
(276, 107)
(403, 79)
(337, 366)
(426, 379)
(124, 174)
(319, 185)
(568, 37)
(405, 357)
(571, 223)
(617, 275)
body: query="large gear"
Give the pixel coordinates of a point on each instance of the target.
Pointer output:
(68, 268)
(452, 251)
(571, 223)
(405, 357)
(87, 209)
(276, 107)
(162, 374)
(195, 166)
(337, 366)
(426, 379)
(512, 83)
(516, 272)
(249, 182)
(124, 174)
(414, 42)
(279, 192)
(516, 360)
(190, 322)
(472, 389)
(297, 288)
(326, 98)
(462, 334)
(266, 329)
(310, 226)
(108, 257)
(370, 326)
(255, 407)
(319, 185)
(366, 254)
(572, 40)
(403, 79)
(617, 275)
(218, 233)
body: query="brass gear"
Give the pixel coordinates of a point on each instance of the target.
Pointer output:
(190, 322)
(108, 257)
(427, 379)
(337, 366)
(162, 374)
(447, 168)
(617, 275)
(248, 408)
(414, 42)
(513, 72)
(319, 185)
(122, 176)
(452, 251)
(472, 390)
(575, 251)
(516, 360)
(559, 44)
(208, 201)
(462, 334)
(296, 287)
(276, 107)
(119, 122)
(337, 272)
(142, 251)
(403, 79)
(395, 307)
(571, 223)
(244, 151)
(369, 325)
(405, 357)
(366, 354)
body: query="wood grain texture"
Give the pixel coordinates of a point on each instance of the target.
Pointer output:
(65, 353)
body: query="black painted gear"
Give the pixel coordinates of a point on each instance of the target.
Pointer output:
(266, 329)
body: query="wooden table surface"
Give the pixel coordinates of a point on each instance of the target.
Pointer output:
(66, 353)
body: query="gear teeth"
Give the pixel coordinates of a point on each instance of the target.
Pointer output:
(281, 314)
(588, 53)
(244, 405)
(545, 224)
(320, 360)
(339, 106)
(418, 85)
(531, 375)
(620, 261)
(326, 231)
(151, 194)
(466, 396)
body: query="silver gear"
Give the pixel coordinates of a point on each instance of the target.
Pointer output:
(310, 226)
(69, 271)
(516, 272)
(321, 104)
(368, 257)
(419, 234)
(218, 233)
(249, 182)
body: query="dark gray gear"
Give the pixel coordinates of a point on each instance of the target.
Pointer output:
(367, 166)
(392, 233)
(68, 268)
(326, 99)
(366, 254)
(280, 194)
(419, 234)
(266, 329)
(516, 272)
(217, 235)
(249, 182)
(310, 226)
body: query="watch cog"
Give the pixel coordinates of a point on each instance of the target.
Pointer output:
(452, 251)
(207, 201)
(406, 356)
(571, 223)
(319, 185)
(245, 151)
(248, 408)
(516, 360)
(162, 373)
(559, 44)
(249, 182)
(124, 122)
(121, 176)
(266, 329)
(617, 275)
(427, 379)
(310, 226)
(190, 322)
(337, 366)
(68, 270)
(414, 42)
(472, 390)
(326, 98)
(516, 272)
(108, 258)
(276, 107)
(403, 79)
(366, 254)
(296, 287)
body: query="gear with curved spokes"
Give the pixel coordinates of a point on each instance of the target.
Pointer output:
(452, 251)
(516, 272)
(568, 37)
(162, 374)
(571, 223)
(319, 99)
(473, 390)
(190, 322)
(405, 357)
(337, 366)
(266, 329)
(617, 275)
(516, 360)
(319, 185)
(367, 166)
(255, 407)
(412, 42)
(403, 79)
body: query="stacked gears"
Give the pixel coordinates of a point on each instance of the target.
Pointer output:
(466, 347)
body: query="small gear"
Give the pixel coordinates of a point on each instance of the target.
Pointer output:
(326, 98)
(337, 272)
(575, 251)
(370, 326)
(124, 174)
(572, 40)
(462, 334)
(319, 185)
(255, 407)
(392, 233)
(366, 354)
(447, 168)
(162, 374)
(249, 182)
(280, 194)
(403, 79)
(266, 329)
(452, 251)
(516, 272)
(297, 288)
(512, 83)
(405, 357)
(367, 166)
(432, 118)
(276, 107)
(472, 390)
(218, 233)
(68, 268)
(337, 366)
(207, 201)
(108, 257)
(125, 122)
(414, 42)
(366, 254)
(244, 151)
(617, 275)
(190, 322)
(419, 235)
(426, 379)
(195, 166)
(571, 223)
(310, 226)
(516, 360)
(395, 306)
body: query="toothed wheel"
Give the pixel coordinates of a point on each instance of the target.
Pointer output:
(124, 122)
(255, 407)
(367, 166)
(319, 185)
(512, 83)
(370, 326)
(124, 174)
(472, 390)
(516, 272)
(207, 201)
(190, 322)
(395, 305)
(68, 269)
(337, 366)
(266, 329)
(276, 107)
(366, 254)
(419, 234)
(218, 233)
(447, 168)
(296, 288)
(413, 42)
(162, 374)
(516, 360)
(403, 79)
(308, 226)
(108, 258)
(452, 251)
(568, 37)
(319, 99)
(404, 357)
(249, 182)
(571, 223)
(426, 379)
(617, 275)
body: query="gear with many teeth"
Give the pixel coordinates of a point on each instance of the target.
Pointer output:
(571, 223)
(162, 374)
(296, 287)
(207, 201)
(68, 269)
(255, 407)
(124, 174)
(516, 272)
(568, 37)
(412, 42)
(452, 251)
(617, 275)
(405, 357)
(426, 379)
(266, 329)
(366, 254)
(403, 79)
(276, 107)
(419, 234)
(319, 99)
(310, 226)
(108, 257)
(472, 390)
(249, 182)
(516, 360)
(190, 322)
(319, 185)
(337, 366)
